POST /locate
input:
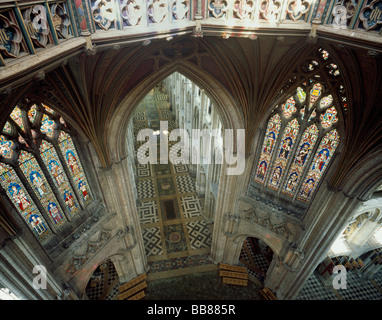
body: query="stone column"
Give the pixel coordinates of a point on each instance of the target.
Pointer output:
(117, 185)
(227, 218)
(327, 216)
(17, 263)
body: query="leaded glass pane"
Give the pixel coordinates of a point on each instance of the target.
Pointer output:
(41, 187)
(22, 201)
(56, 171)
(75, 167)
(321, 159)
(271, 135)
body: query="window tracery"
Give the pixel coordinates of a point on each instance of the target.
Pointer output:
(40, 170)
(303, 130)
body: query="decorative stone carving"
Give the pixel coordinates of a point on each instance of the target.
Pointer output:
(36, 23)
(274, 221)
(132, 11)
(297, 8)
(157, 10)
(217, 8)
(93, 246)
(103, 13)
(231, 224)
(270, 9)
(61, 21)
(371, 15)
(10, 38)
(243, 9)
(180, 8)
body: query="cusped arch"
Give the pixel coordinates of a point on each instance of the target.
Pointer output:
(230, 113)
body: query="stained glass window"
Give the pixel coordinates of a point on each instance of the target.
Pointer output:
(296, 167)
(41, 187)
(286, 145)
(314, 94)
(272, 132)
(56, 171)
(47, 126)
(303, 152)
(32, 113)
(75, 167)
(6, 147)
(7, 128)
(23, 202)
(44, 179)
(329, 117)
(321, 159)
(16, 116)
(289, 107)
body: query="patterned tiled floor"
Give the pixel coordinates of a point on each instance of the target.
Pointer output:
(173, 228)
(104, 283)
(357, 288)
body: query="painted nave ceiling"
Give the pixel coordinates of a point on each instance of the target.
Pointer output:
(300, 66)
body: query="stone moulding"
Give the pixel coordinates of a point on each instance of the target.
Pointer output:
(274, 222)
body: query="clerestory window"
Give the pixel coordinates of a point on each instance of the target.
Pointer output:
(301, 135)
(40, 170)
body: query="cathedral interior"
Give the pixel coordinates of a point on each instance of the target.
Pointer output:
(163, 140)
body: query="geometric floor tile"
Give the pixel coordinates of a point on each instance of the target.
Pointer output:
(145, 189)
(148, 212)
(199, 234)
(191, 206)
(313, 289)
(165, 186)
(144, 170)
(152, 241)
(140, 116)
(180, 168)
(359, 289)
(185, 184)
(174, 237)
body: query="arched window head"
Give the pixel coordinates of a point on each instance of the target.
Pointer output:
(40, 169)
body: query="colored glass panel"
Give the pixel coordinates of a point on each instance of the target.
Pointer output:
(56, 171)
(32, 113)
(7, 128)
(287, 142)
(303, 152)
(23, 202)
(301, 95)
(321, 159)
(17, 117)
(47, 126)
(48, 109)
(315, 93)
(329, 117)
(324, 54)
(6, 147)
(34, 175)
(326, 101)
(271, 135)
(75, 168)
(289, 107)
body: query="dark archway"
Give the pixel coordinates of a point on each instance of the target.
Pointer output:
(257, 256)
